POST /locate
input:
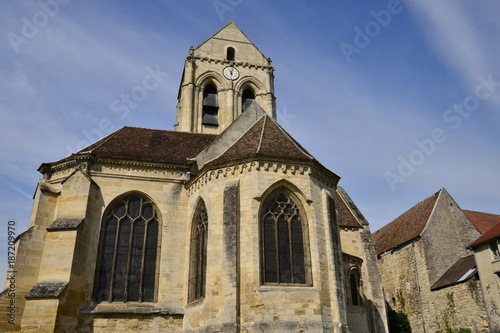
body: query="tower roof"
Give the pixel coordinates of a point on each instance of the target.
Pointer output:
(229, 32)
(230, 35)
(255, 135)
(265, 139)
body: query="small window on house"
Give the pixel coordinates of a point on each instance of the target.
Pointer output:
(247, 99)
(230, 54)
(354, 282)
(494, 250)
(210, 113)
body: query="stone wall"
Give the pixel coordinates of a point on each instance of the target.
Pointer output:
(262, 307)
(461, 305)
(70, 229)
(150, 324)
(446, 236)
(29, 250)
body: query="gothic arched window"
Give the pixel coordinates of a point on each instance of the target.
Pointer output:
(247, 98)
(284, 241)
(230, 54)
(354, 282)
(128, 251)
(210, 110)
(198, 253)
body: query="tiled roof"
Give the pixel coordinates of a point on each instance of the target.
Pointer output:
(482, 221)
(345, 215)
(488, 235)
(406, 227)
(147, 145)
(264, 139)
(463, 270)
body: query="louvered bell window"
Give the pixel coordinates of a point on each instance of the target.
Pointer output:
(210, 113)
(247, 99)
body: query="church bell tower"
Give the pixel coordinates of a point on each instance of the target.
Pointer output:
(222, 76)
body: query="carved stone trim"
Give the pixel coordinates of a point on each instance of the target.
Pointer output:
(232, 63)
(211, 174)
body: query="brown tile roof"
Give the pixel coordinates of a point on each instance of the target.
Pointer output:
(147, 145)
(482, 221)
(264, 139)
(345, 215)
(406, 227)
(461, 271)
(488, 235)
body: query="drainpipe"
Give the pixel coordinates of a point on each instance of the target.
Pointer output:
(418, 285)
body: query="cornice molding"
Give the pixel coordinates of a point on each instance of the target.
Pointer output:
(215, 173)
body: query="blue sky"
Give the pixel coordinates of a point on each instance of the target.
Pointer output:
(400, 98)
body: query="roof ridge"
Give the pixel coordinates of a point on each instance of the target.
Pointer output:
(418, 203)
(348, 207)
(261, 135)
(235, 141)
(104, 140)
(295, 143)
(433, 209)
(476, 211)
(170, 131)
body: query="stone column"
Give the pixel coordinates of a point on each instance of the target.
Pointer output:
(230, 265)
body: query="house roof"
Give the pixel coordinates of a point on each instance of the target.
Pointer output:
(406, 227)
(461, 271)
(487, 236)
(346, 217)
(146, 145)
(264, 139)
(482, 221)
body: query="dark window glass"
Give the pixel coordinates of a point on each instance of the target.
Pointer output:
(333, 220)
(198, 253)
(120, 271)
(128, 250)
(354, 281)
(494, 250)
(230, 54)
(150, 262)
(284, 245)
(247, 99)
(210, 112)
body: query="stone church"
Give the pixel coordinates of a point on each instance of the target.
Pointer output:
(226, 224)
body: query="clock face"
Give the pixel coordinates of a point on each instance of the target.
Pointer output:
(231, 73)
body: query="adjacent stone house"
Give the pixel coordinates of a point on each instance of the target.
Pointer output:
(487, 254)
(427, 270)
(226, 224)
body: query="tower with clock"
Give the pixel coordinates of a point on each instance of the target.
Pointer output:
(221, 77)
